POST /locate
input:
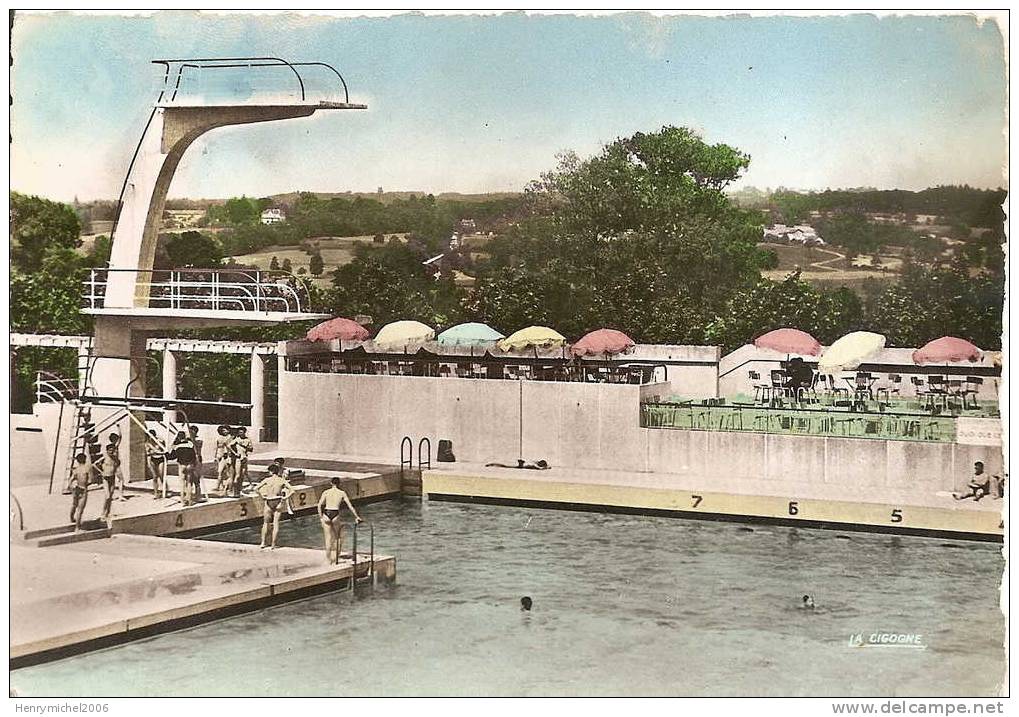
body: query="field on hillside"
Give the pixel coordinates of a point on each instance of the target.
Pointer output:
(336, 251)
(828, 268)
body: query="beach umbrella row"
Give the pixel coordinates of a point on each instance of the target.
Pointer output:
(403, 333)
(849, 351)
(845, 354)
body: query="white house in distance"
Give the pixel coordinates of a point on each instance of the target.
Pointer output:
(273, 215)
(800, 234)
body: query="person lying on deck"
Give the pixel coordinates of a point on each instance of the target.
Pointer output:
(539, 466)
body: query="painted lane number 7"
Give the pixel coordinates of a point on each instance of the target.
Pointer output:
(697, 500)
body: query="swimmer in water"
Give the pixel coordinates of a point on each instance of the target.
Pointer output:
(329, 506)
(525, 603)
(808, 603)
(274, 490)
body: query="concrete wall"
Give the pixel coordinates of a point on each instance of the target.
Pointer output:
(578, 424)
(596, 426)
(840, 463)
(692, 370)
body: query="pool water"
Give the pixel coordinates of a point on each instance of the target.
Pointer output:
(623, 605)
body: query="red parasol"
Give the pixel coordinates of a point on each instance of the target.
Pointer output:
(947, 349)
(602, 342)
(789, 341)
(338, 328)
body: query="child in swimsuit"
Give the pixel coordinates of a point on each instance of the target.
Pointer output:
(81, 477)
(108, 472)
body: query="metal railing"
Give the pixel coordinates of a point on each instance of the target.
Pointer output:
(15, 503)
(210, 289)
(824, 422)
(51, 388)
(173, 86)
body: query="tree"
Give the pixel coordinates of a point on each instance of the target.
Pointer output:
(241, 210)
(390, 283)
(316, 265)
(287, 266)
(38, 224)
(640, 237)
(193, 249)
(274, 263)
(930, 302)
(793, 303)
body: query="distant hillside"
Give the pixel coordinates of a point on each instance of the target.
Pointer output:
(387, 197)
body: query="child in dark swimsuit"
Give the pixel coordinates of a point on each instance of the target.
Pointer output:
(81, 477)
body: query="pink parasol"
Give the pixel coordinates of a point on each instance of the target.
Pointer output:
(789, 341)
(602, 342)
(947, 349)
(338, 328)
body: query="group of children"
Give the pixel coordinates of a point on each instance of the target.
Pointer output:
(95, 466)
(232, 450)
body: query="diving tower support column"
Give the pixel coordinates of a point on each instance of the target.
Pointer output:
(257, 396)
(169, 383)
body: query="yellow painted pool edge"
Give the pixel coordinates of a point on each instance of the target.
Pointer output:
(884, 516)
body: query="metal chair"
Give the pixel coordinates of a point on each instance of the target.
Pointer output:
(893, 387)
(973, 386)
(778, 389)
(762, 391)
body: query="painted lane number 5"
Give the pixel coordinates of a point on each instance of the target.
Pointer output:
(897, 515)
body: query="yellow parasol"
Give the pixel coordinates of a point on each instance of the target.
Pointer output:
(532, 337)
(401, 333)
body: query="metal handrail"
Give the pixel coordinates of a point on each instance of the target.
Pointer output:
(21, 515)
(243, 290)
(220, 63)
(409, 460)
(371, 554)
(425, 441)
(56, 389)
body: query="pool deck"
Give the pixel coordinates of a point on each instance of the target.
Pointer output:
(138, 575)
(87, 595)
(780, 502)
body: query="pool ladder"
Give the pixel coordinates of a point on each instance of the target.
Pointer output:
(369, 577)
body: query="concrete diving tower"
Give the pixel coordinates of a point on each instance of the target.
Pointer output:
(130, 290)
(130, 299)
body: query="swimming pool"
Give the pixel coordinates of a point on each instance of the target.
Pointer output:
(623, 605)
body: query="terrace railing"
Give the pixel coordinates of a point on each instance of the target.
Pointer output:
(208, 289)
(50, 388)
(692, 416)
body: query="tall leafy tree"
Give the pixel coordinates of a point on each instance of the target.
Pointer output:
(640, 237)
(37, 225)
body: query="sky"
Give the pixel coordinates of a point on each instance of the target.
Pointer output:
(484, 103)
